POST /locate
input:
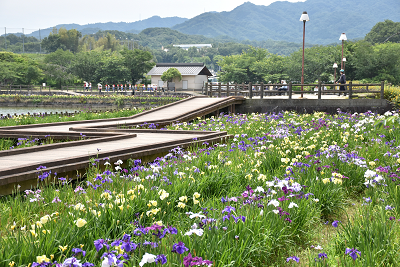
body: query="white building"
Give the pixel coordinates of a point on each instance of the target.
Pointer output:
(198, 46)
(194, 75)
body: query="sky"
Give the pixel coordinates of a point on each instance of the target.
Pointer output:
(40, 14)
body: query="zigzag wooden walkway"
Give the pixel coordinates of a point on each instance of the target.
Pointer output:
(112, 138)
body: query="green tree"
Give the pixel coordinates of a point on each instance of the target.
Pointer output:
(52, 42)
(192, 52)
(108, 42)
(375, 63)
(171, 74)
(85, 65)
(318, 61)
(60, 57)
(112, 70)
(272, 69)
(70, 39)
(240, 68)
(9, 72)
(18, 69)
(364, 61)
(57, 75)
(64, 39)
(138, 62)
(383, 32)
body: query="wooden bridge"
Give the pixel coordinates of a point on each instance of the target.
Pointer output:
(115, 139)
(262, 90)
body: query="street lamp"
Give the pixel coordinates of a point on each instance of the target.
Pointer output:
(304, 17)
(342, 38)
(334, 67)
(344, 62)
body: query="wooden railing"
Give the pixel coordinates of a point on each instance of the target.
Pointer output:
(16, 89)
(70, 89)
(26, 89)
(263, 90)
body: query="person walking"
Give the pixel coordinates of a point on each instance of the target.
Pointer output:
(99, 86)
(342, 80)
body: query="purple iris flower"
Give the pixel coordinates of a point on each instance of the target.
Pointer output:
(173, 230)
(226, 217)
(322, 255)
(352, 252)
(195, 261)
(99, 243)
(179, 247)
(335, 224)
(128, 246)
(228, 209)
(294, 258)
(140, 231)
(126, 238)
(77, 251)
(116, 243)
(239, 217)
(72, 262)
(161, 259)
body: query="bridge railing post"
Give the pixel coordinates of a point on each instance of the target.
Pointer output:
(219, 89)
(262, 90)
(206, 92)
(319, 89)
(382, 90)
(350, 89)
(250, 90)
(290, 90)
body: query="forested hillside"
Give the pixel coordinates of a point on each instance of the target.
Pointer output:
(151, 38)
(280, 20)
(129, 27)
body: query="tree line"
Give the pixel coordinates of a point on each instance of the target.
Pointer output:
(110, 57)
(364, 62)
(66, 68)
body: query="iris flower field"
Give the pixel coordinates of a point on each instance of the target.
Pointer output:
(287, 189)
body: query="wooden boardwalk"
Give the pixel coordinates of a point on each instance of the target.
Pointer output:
(112, 138)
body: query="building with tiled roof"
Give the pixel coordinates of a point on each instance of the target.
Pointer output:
(194, 75)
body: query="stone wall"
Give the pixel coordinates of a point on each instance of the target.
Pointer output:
(331, 106)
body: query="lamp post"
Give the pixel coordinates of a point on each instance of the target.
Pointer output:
(334, 67)
(342, 38)
(344, 63)
(304, 17)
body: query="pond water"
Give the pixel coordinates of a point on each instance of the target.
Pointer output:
(31, 110)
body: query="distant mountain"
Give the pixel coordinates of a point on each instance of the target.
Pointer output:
(131, 27)
(280, 20)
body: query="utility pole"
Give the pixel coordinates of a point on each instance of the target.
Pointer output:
(40, 44)
(23, 41)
